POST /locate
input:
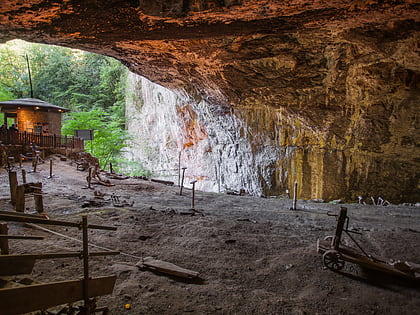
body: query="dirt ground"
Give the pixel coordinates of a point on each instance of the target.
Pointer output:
(256, 256)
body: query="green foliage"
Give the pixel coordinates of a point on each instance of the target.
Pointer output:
(90, 85)
(132, 168)
(109, 138)
(13, 74)
(5, 94)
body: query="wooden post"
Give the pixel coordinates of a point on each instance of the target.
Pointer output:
(20, 198)
(111, 169)
(35, 162)
(13, 185)
(89, 177)
(179, 168)
(340, 226)
(51, 168)
(182, 181)
(23, 176)
(10, 162)
(85, 263)
(294, 197)
(193, 194)
(39, 204)
(4, 242)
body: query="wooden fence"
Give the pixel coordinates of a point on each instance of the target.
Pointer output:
(46, 141)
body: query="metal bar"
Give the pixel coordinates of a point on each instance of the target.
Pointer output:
(357, 244)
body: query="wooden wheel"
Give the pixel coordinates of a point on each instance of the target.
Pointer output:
(328, 238)
(333, 260)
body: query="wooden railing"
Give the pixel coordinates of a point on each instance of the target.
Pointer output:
(46, 141)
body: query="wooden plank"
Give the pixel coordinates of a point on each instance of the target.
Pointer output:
(20, 199)
(42, 296)
(168, 268)
(21, 237)
(4, 243)
(372, 262)
(13, 258)
(41, 220)
(13, 184)
(16, 267)
(21, 214)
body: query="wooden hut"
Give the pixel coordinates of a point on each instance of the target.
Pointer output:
(33, 115)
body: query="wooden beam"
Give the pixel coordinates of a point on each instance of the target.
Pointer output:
(41, 220)
(20, 214)
(43, 296)
(21, 237)
(168, 268)
(4, 243)
(20, 198)
(13, 258)
(16, 267)
(39, 205)
(13, 184)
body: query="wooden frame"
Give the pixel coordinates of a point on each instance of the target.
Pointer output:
(42, 296)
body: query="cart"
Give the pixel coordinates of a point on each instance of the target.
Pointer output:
(334, 254)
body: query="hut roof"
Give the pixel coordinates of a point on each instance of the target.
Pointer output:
(31, 102)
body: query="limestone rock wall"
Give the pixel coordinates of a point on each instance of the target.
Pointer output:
(170, 127)
(266, 93)
(345, 124)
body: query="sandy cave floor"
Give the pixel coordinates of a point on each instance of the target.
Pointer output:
(256, 255)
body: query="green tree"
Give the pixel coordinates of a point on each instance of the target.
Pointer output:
(90, 85)
(109, 138)
(14, 80)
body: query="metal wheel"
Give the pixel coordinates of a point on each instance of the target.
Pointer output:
(333, 260)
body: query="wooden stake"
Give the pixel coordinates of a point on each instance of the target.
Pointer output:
(179, 168)
(51, 166)
(85, 263)
(13, 185)
(23, 176)
(111, 169)
(35, 162)
(182, 181)
(4, 242)
(89, 178)
(20, 199)
(193, 194)
(335, 243)
(39, 204)
(294, 197)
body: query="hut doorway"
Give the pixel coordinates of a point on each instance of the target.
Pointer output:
(10, 119)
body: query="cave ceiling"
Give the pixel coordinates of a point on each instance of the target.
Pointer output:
(230, 53)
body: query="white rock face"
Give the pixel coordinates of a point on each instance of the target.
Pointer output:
(168, 127)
